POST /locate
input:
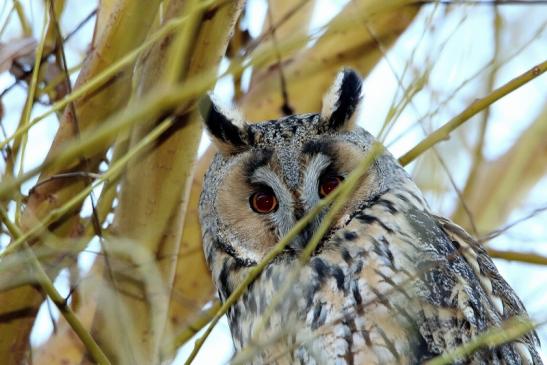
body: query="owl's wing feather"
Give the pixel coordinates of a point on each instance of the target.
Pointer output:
(501, 301)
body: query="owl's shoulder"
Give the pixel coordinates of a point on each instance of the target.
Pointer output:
(460, 293)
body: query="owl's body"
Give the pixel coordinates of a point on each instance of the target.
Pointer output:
(389, 283)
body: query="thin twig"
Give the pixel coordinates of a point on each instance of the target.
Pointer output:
(61, 56)
(80, 25)
(60, 50)
(498, 232)
(459, 193)
(529, 258)
(283, 19)
(7, 21)
(451, 96)
(27, 29)
(71, 175)
(111, 72)
(478, 105)
(45, 283)
(112, 173)
(196, 325)
(508, 331)
(19, 145)
(483, 2)
(286, 107)
(478, 154)
(25, 73)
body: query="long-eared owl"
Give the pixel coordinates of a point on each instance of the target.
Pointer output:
(389, 282)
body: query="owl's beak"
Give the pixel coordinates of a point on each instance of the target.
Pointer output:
(303, 239)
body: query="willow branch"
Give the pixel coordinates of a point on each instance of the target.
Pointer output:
(529, 258)
(45, 283)
(197, 324)
(110, 73)
(111, 174)
(477, 106)
(509, 330)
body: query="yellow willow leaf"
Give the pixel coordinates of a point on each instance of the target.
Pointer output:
(125, 29)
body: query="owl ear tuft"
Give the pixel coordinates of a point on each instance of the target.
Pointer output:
(341, 101)
(226, 127)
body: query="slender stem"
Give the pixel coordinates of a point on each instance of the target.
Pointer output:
(478, 105)
(51, 85)
(529, 258)
(509, 330)
(45, 283)
(112, 173)
(6, 21)
(478, 150)
(20, 144)
(27, 29)
(196, 325)
(110, 72)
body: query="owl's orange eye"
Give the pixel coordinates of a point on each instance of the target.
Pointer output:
(328, 184)
(263, 202)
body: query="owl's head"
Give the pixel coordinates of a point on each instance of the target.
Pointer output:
(267, 175)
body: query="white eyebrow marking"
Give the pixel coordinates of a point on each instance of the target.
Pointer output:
(313, 171)
(283, 218)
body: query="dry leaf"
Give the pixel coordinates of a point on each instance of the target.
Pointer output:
(11, 51)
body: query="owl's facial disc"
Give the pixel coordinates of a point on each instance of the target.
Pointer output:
(258, 204)
(278, 170)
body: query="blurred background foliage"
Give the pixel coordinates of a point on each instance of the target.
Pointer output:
(103, 153)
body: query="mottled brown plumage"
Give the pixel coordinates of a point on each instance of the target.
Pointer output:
(389, 283)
